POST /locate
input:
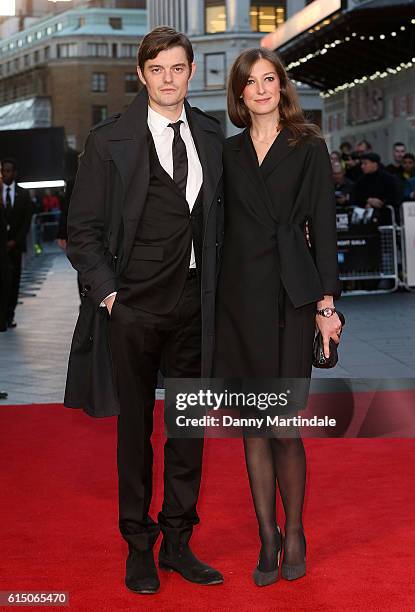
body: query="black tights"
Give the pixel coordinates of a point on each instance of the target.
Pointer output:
(269, 460)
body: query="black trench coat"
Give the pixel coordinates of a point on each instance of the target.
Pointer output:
(106, 205)
(270, 277)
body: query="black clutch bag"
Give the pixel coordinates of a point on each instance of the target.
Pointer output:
(319, 360)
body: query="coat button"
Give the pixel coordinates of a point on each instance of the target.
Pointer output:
(219, 200)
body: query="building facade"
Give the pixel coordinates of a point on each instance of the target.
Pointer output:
(70, 70)
(219, 31)
(360, 55)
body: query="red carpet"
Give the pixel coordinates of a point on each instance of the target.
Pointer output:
(59, 521)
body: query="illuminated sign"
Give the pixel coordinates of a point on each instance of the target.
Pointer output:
(313, 14)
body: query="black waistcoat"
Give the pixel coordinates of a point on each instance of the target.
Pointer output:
(155, 276)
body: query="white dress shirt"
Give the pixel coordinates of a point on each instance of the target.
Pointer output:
(12, 192)
(163, 139)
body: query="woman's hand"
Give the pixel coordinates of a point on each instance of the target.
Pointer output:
(330, 327)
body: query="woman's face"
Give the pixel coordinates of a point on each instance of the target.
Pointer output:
(261, 95)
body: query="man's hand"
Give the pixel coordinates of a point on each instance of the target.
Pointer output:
(109, 302)
(62, 243)
(11, 244)
(374, 203)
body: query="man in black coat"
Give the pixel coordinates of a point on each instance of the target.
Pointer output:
(156, 171)
(18, 211)
(376, 188)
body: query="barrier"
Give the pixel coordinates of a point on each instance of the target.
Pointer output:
(367, 250)
(408, 244)
(43, 229)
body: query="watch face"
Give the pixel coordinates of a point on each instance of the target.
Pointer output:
(328, 312)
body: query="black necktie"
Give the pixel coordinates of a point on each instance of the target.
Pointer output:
(8, 202)
(180, 163)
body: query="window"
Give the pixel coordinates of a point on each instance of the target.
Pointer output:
(99, 113)
(99, 82)
(16, 63)
(215, 16)
(67, 50)
(47, 53)
(128, 50)
(130, 81)
(215, 71)
(115, 23)
(26, 61)
(266, 16)
(98, 49)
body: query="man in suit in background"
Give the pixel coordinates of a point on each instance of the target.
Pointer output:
(159, 165)
(4, 264)
(18, 212)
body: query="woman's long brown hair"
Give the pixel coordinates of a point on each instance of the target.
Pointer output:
(291, 114)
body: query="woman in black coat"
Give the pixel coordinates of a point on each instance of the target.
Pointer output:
(279, 267)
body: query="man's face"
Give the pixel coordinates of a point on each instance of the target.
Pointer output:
(167, 78)
(408, 165)
(398, 153)
(8, 173)
(361, 147)
(368, 166)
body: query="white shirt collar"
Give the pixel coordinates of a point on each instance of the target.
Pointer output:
(12, 187)
(158, 123)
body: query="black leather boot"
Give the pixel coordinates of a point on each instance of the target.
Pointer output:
(179, 558)
(141, 573)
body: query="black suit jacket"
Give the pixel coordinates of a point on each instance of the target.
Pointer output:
(4, 269)
(20, 218)
(109, 196)
(295, 184)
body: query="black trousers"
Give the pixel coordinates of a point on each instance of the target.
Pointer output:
(15, 259)
(141, 344)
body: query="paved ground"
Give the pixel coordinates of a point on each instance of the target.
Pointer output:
(378, 342)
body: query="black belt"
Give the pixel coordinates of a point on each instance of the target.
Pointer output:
(192, 273)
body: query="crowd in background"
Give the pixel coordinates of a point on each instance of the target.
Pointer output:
(362, 181)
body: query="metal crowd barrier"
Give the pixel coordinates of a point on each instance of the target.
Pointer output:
(43, 229)
(407, 234)
(367, 252)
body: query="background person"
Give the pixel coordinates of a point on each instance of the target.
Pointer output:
(396, 168)
(342, 185)
(376, 188)
(18, 211)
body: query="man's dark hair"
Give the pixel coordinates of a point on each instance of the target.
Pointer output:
(399, 144)
(364, 142)
(9, 160)
(373, 157)
(161, 39)
(409, 156)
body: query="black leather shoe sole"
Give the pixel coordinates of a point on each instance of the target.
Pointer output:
(144, 591)
(203, 582)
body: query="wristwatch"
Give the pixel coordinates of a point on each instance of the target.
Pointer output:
(327, 312)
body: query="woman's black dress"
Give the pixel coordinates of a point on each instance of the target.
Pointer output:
(259, 332)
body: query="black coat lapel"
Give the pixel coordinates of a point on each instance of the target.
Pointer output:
(278, 151)
(128, 147)
(209, 148)
(247, 159)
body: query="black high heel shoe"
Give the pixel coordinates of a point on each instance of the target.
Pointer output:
(294, 571)
(265, 578)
